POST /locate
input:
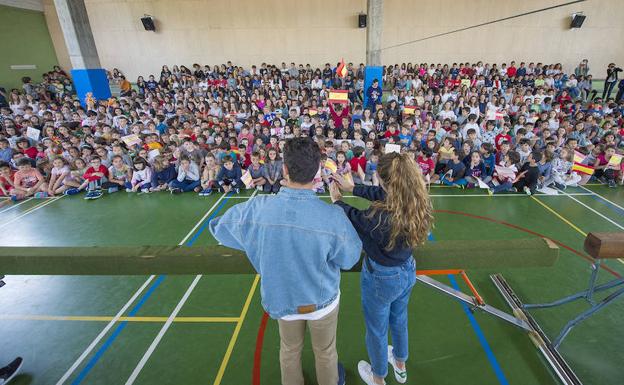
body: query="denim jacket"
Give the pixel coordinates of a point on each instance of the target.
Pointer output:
(296, 242)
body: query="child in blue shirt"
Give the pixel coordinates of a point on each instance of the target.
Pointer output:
(229, 176)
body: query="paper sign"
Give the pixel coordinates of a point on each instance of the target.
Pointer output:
(548, 191)
(615, 160)
(481, 183)
(338, 96)
(152, 154)
(131, 140)
(330, 165)
(391, 147)
(504, 172)
(33, 133)
(247, 179)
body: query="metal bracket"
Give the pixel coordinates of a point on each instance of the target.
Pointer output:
(557, 363)
(473, 303)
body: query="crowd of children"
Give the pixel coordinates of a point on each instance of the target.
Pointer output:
(222, 128)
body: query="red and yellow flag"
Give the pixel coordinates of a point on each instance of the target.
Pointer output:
(341, 71)
(583, 169)
(338, 96)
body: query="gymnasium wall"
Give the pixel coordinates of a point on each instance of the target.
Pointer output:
(543, 36)
(24, 39)
(319, 31)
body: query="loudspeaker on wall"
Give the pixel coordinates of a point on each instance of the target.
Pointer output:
(362, 20)
(577, 20)
(148, 23)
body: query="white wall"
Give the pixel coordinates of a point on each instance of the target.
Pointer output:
(319, 31)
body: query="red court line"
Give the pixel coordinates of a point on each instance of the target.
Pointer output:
(258, 353)
(265, 317)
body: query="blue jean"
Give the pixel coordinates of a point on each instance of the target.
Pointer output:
(186, 185)
(385, 296)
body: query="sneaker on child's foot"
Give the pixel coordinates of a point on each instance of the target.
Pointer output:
(399, 375)
(176, 191)
(112, 190)
(10, 371)
(88, 195)
(237, 191)
(366, 373)
(71, 191)
(40, 195)
(128, 190)
(527, 190)
(205, 192)
(97, 194)
(490, 192)
(612, 183)
(560, 186)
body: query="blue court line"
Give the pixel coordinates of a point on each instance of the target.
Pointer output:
(477, 329)
(482, 340)
(109, 341)
(607, 203)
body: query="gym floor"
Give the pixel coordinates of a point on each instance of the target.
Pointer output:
(211, 329)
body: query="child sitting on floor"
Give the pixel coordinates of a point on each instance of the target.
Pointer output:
(94, 176)
(229, 177)
(188, 178)
(272, 172)
(141, 176)
(209, 175)
(502, 182)
(59, 172)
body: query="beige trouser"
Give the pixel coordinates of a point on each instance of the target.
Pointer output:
(323, 334)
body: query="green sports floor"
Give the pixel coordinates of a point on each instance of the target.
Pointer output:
(211, 329)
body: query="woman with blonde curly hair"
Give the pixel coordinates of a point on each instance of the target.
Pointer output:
(398, 220)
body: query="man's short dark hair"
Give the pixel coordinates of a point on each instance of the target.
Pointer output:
(302, 157)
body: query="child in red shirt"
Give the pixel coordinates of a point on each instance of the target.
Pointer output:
(358, 165)
(426, 163)
(6, 179)
(94, 177)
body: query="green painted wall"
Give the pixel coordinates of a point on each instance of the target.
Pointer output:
(24, 39)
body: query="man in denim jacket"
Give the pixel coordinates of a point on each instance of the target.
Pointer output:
(298, 244)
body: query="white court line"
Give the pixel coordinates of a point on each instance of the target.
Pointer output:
(599, 214)
(459, 195)
(31, 210)
(15, 205)
(104, 331)
(595, 193)
(162, 332)
(594, 211)
(137, 370)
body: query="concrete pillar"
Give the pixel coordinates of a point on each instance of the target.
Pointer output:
(373, 32)
(87, 74)
(74, 22)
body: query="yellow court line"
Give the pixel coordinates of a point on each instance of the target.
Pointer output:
(575, 227)
(18, 317)
(239, 325)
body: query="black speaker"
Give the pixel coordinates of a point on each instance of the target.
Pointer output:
(148, 23)
(577, 20)
(362, 20)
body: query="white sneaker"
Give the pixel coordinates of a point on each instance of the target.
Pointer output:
(399, 375)
(366, 373)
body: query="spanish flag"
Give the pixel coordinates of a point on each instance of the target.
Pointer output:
(409, 110)
(338, 96)
(341, 71)
(583, 169)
